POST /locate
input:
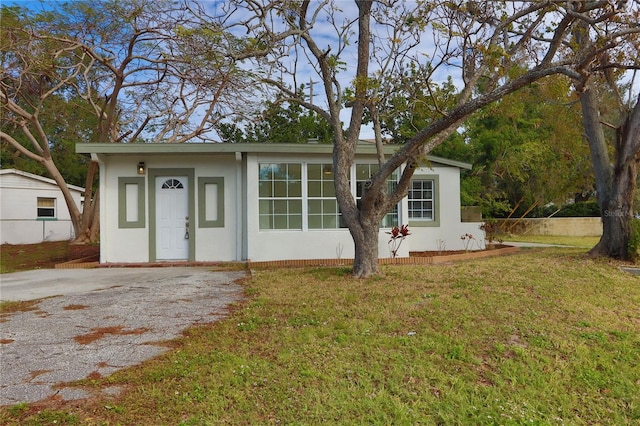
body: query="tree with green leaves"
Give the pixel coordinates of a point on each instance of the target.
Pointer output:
(528, 149)
(615, 152)
(279, 123)
(493, 48)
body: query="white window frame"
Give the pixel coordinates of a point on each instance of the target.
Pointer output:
(41, 208)
(434, 220)
(390, 220)
(277, 203)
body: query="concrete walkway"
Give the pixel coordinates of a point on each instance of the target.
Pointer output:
(96, 321)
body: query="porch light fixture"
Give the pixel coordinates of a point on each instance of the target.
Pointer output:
(327, 169)
(141, 168)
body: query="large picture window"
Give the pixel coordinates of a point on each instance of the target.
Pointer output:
(286, 203)
(280, 196)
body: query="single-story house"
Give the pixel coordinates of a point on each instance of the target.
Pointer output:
(33, 209)
(207, 202)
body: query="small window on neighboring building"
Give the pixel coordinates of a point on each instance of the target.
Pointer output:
(46, 208)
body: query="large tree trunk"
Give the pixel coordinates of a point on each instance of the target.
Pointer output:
(365, 238)
(89, 223)
(617, 214)
(615, 185)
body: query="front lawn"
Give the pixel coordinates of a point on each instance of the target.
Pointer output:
(546, 336)
(582, 242)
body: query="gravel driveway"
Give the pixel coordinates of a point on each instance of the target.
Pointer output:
(105, 320)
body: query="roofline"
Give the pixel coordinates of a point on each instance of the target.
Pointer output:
(37, 177)
(230, 148)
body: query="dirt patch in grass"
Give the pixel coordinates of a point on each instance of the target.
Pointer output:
(449, 252)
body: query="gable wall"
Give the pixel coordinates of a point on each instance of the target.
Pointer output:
(447, 234)
(18, 211)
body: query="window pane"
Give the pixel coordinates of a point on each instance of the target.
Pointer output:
(265, 222)
(330, 206)
(295, 207)
(295, 222)
(265, 207)
(280, 222)
(295, 189)
(328, 189)
(46, 202)
(362, 172)
(294, 171)
(315, 206)
(330, 222)
(315, 189)
(265, 189)
(280, 207)
(280, 189)
(314, 171)
(265, 172)
(315, 222)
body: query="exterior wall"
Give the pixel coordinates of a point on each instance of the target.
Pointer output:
(18, 210)
(265, 245)
(241, 238)
(325, 244)
(446, 236)
(133, 244)
(562, 226)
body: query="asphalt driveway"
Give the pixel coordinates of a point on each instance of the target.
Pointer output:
(92, 322)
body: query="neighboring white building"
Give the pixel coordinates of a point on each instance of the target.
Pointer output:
(32, 208)
(258, 202)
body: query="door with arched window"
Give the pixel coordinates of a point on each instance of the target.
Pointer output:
(172, 218)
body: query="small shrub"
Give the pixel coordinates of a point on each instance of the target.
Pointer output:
(634, 240)
(397, 237)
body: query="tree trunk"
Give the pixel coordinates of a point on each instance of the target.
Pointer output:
(365, 238)
(617, 213)
(89, 225)
(615, 185)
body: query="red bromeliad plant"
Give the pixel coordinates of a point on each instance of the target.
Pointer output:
(397, 236)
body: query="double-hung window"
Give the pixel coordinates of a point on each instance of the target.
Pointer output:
(280, 196)
(421, 199)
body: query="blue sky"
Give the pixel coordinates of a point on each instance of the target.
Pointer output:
(325, 36)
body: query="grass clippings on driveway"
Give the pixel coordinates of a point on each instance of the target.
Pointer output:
(546, 336)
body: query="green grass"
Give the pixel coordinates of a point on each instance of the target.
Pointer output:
(24, 257)
(544, 337)
(582, 242)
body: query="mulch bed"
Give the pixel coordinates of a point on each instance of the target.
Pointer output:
(449, 252)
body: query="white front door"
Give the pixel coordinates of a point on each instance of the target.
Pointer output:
(172, 218)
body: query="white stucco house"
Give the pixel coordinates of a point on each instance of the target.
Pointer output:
(205, 202)
(32, 208)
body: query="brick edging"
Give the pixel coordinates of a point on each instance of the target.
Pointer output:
(413, 260)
